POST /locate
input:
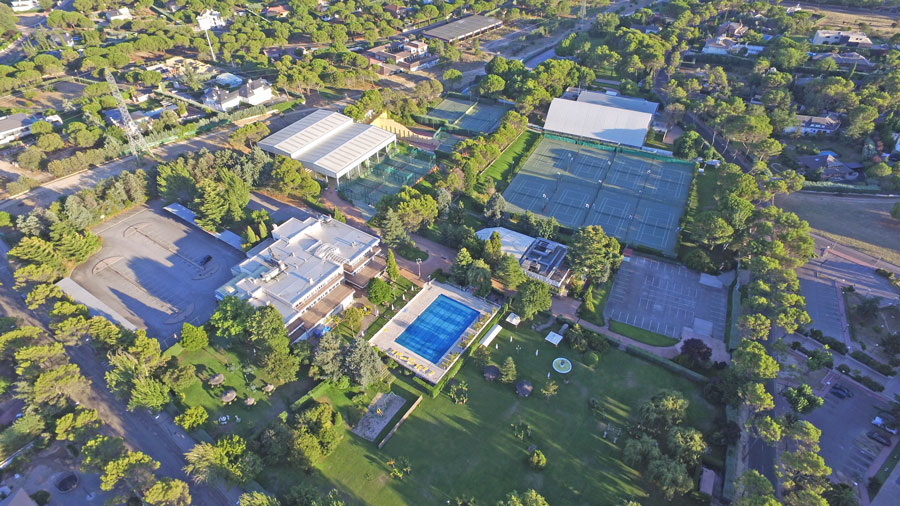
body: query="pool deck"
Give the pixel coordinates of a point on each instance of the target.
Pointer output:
(385, 339)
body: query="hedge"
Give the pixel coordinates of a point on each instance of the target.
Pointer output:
(828, 186)
(875, 365)
(859, 378)
(730, 460)
(316, 390)
(666, 363)
(832, 343)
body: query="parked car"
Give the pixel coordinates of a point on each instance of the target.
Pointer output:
(845, 390)
(878, 438)
(884, 425)
(206, 260)
(840, 394)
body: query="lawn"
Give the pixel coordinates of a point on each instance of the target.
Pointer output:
(883, 472)
(246, 380)
(706, 189)
(641, 335)
(862, 223)
(600, 294)
(470, 451)
(501, 169)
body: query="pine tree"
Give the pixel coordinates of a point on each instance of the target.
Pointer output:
(508, 370)
(493, 250)
(392, 231)
(263, 231)
(252, 238)
(460, 269)
(393, 271)
(509, 272)
(210, 204)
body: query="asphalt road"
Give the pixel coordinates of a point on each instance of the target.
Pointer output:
(157, 438)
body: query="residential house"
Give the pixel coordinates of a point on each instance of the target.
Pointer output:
(277, 11)
(172, 6)
(121, 14)
(114, 117)
(139, 98)
(732, 29)
(24, 5)
(14, 126)
(791, 10)
(210, 19)
(841, 38)
(849, 60)
(541, 259)
(253, 92)
(815, 125)
(826, 167)
(646, 28)
(726, 45)
(401, 52)
(221, 100)
(396, 10)
(309, 271)
(229, 80)
(63, 39)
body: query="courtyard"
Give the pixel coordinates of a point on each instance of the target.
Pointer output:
(155, 272)
(668, 298)
(464, 451)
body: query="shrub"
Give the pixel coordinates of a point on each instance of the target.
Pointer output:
(193, 418)
(874, 364)
(591, 358)
(537, 460)
(843, 369)
(834, 344)
(883, 272)
(41, 497)
(193, 338)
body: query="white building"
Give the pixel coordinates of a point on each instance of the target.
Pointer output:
(815, 125)
(13, 127)
(841, 38)
(596, 122)
(121, 14)
(209, 19)
(330, 144)
(253, 92)
(24, 5)
(308, 271)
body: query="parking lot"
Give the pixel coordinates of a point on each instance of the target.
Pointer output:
(665, 298)
(154, 272)
(844, 424)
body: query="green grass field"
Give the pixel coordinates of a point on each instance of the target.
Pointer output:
(500, 169)
(600, 294)
(862, 223)
(246, 380)
(469, 450)
(639, 334)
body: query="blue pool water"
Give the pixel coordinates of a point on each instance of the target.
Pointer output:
(437, 328)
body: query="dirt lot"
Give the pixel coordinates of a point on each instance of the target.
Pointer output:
(879, 23)
(50, 97)
(870, 332)
(862, 223)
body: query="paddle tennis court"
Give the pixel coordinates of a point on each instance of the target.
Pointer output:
(636, 198)
(405, 167)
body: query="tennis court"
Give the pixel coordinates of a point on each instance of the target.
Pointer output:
(636, 198)
(471, 115)
(405, 167)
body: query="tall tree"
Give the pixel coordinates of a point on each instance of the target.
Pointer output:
(532, 298)
(594, 254)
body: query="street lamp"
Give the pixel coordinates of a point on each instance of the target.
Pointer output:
(419, 263)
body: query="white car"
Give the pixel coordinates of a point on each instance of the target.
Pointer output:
(881, 424)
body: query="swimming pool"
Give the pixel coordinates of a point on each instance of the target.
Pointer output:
(437, 328)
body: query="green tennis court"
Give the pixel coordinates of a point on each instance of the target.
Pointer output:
(468, 114)
(636, 198)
